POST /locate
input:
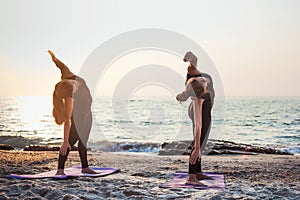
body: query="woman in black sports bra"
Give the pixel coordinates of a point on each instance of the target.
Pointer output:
(199, 87)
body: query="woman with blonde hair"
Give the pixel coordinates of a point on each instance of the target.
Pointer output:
(72, 108)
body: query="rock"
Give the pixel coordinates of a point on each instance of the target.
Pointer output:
(216, 147)
(217, 197)
(41, 148)
(53, 194)
(18, 141)
(40, 191)
(70, 197)
(45, 148)
(29, 195)
(129, 193)
(13, 191)
(3, 196)
(6, 147)
(25, 187)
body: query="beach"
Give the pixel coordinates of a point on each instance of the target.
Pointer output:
(262, 176)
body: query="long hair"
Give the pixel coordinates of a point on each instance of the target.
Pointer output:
(193, 89)
(62, 90)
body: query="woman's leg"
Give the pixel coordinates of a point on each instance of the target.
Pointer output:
(192, 176)
(196, 168)
(83, 157)
(206, 124)
(203, 142)
(84, 125)
(199, 174)
(83, 154)
(65, 71)
(193, 167)
(73, 137)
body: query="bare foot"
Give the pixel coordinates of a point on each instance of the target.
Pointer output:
(201, 176)
(195, 182)
(60, 172)
(88, 170)
(192, 180)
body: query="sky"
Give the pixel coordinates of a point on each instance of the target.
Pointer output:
(254, 44)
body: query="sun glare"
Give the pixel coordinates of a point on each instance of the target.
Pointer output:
(34, 112)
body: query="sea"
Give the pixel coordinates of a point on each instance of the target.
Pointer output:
(143, 124)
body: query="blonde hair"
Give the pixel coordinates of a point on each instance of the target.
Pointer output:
(62, 90)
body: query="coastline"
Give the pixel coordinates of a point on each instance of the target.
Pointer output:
(181, 147)
(246, 176)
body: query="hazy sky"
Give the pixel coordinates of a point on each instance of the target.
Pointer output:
(255, 45)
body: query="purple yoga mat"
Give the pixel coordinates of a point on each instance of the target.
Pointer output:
(179, 181)
(70, 172)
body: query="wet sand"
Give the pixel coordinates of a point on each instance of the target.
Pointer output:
(246, 176)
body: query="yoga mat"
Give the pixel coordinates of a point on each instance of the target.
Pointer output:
(70, 172)
(179, 181)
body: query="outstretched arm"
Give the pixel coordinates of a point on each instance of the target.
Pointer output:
(67, 125)
(197, 130)
(65, 71)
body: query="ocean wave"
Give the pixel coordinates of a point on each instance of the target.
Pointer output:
(294, 137)
(213, 147)
(292, 150)
(110, 146)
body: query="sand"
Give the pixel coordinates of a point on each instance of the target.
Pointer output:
(246, 177)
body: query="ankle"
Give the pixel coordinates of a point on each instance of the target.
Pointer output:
(60, 172)
(191, 177)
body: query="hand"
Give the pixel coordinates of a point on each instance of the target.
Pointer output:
(64, 148)
(195, 156)
(51, 54)
(182, 96)
(177, 98)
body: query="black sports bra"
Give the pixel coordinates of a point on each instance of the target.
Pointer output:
(188, 76)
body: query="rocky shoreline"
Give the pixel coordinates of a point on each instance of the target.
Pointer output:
(213, 147)
(218, 147)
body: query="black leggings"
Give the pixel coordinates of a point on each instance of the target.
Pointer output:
(73, 138)
(206, 124)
